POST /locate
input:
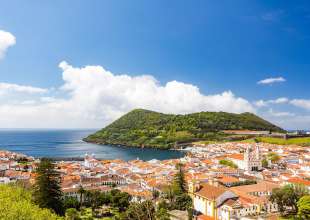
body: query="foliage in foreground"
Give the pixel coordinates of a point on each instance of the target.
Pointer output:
(304, 207)
(287, 197)
(15, 203)
(47, 191)
(152, 129)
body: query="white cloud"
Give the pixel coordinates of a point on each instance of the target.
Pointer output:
(280, 114)
(9, 88)
(6, 40)
(281, 100)
(301, 103)
(95, 97)
(260, 103)
(270, 81)
(263, 103)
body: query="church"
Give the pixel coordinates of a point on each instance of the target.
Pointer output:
(250, 160)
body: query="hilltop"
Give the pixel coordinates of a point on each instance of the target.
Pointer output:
(142, 127)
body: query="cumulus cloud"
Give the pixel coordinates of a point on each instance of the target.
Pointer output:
(6, 40)
(9, 88)
(94, 97)
(270, 81)
(123, 92)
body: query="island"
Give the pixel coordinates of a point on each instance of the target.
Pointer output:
(145, 128)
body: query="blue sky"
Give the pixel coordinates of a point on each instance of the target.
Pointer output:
(217, 47)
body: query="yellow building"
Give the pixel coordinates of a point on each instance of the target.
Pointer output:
(208, 198)
(220, 203)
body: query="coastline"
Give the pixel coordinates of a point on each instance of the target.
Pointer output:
(129, 145)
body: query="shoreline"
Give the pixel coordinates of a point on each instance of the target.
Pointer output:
(130, 146)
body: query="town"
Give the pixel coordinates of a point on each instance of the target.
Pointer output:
(231, 180)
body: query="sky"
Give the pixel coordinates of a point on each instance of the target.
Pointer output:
(83, 64)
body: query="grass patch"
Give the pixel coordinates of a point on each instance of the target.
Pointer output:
(304, 141)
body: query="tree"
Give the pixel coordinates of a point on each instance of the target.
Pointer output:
(72, 214)
(47, 191)
(15, 203)
(162, 214)
(155, 194)
(120, 200)
(81, 191)
(179, 184)
(277, 197)
(141, 211)
(168, 193)
(273, 157)
(71, 202)
(288, 196)
(304, 207)
(228, 163)
(183, 202)
(265, 163)
(96, 202)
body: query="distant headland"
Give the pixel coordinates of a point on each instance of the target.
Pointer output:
(145, 128)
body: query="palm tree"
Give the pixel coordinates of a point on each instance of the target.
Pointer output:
(81, 191)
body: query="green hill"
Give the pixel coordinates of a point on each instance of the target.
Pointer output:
(152, 129)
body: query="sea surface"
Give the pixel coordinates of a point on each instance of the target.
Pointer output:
(68, 144)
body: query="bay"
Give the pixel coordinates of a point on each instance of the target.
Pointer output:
(68, 143)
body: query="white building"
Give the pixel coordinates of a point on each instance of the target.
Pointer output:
(250, 160)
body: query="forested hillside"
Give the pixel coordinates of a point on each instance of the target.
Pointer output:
(152, 129)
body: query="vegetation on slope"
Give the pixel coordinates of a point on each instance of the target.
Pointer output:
(152, 129)
(15, 203)
(228, 163)
(302, 141)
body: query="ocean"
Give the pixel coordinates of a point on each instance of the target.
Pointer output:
(69, 144)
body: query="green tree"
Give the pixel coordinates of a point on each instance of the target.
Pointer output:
(47, 191)
(265, 163)
(228, 163)
(70, 202)
(141, 211)
(95, 200)
(16, 203)
(162, 214)
(155, 194)
(169, 193)
(304, 207)
(183, 202)
(273, 157)
(120, 200)
(179, 184)
(72, 214)
(278, 197)
(287, 197)
(81, 192)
